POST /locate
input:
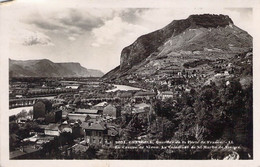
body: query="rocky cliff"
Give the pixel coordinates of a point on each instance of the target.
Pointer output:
(197, 37)
(147, 44)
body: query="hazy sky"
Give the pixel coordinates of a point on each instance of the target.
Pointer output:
(93, 37)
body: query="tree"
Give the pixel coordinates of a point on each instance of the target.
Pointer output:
(13, 127)
(198, 132)
(65, 138)
(22, 114)
(164, 108)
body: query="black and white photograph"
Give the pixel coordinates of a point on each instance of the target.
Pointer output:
(127, 83)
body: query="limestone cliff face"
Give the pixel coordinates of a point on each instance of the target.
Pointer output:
(196, 38)
(149, 43)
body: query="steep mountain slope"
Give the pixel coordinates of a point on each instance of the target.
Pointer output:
(46, 68)
(196, 38)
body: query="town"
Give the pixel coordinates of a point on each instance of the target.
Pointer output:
(89, 111)
(83, 118)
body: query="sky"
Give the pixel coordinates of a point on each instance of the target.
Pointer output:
(94, 37)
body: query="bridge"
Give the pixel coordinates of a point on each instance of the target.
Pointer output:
(97, 100)
(14, 103)
(23, 102)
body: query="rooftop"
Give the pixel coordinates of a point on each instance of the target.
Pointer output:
(142, 105)
(26, 150)
(110, 106)
(145, 94)
(93, 126)
(44, 101)
(42, 126)
(124, 94)
(102, 104)
(52, 127)
(76, 114)
(167, 93)
(87, 111)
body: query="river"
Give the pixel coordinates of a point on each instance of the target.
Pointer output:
(123, 88)
(15, 111)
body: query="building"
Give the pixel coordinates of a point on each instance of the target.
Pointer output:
(44, 139)
(52, 130)
(166, 95)
(111, 136)
(112, 111)
(226, 73)
(41, 108)
(94, 132)
(74, 129)
(81, 117)
(140, 96)
(100, 106)
(64, 114)
(58, 101)
(99, 134)
(88, 111)
(143, 111)
(72, 86)
(65, 127)
(124, 95)
(53, 116)
(141, 108)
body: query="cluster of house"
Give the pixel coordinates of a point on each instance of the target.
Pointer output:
(172, 79)
(95, 124)
(223, 68)
(51, 87)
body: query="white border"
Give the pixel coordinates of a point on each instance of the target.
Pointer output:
(4, 117)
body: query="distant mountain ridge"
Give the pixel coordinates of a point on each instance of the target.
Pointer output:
(47, 68)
